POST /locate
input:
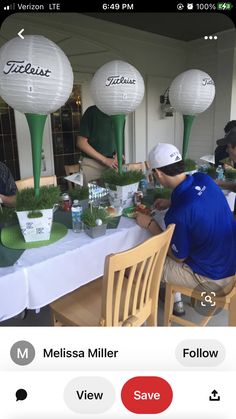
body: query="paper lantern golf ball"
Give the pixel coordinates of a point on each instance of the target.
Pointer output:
(192, 92)
(35, 75)
(117, 88)
(98, 222)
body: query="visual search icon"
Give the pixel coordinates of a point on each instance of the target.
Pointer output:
(21, 394)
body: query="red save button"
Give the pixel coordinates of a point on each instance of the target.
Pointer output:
(146, 395)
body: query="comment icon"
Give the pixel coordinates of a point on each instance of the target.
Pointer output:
(21, 394)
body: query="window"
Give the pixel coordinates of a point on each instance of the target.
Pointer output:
(8, 143)
(65, 129)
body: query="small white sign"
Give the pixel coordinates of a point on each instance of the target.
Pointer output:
(75, 178)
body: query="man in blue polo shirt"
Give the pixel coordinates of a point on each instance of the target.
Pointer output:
(203, 246)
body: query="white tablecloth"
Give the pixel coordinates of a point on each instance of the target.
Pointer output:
(43, 274)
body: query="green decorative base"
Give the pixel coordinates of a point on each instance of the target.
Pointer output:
(12, 238)
(188, 121)
(119, 127)
(36, 125)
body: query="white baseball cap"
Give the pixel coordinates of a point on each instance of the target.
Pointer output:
(163, 154)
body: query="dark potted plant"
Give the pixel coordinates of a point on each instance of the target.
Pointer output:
(7, 216)
(82, 194)
(189, 166)
(211, 171)
(95, 221)
(159, 192)
(230, 175)
(35, 214)
(122, 186)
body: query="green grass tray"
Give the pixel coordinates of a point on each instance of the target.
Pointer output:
(12, 238)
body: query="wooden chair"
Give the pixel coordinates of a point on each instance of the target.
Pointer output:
(70, 169)
(148, 172)
(29, 182)
(228, 302)
(136, 166)
(126, 295)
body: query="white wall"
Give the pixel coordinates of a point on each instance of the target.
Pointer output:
(233, 94)
(216, 58)
(160, 128)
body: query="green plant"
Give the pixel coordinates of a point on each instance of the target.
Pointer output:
(26, 200)
(90, 215)
(230, 174)
(7, 215)
(112, 177)
(211, 171)
(79, 193)
(163, 193)
(189, 165)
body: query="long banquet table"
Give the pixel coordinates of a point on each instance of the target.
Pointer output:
(41, 275)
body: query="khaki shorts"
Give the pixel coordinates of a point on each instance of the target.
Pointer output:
(92, 170)
(181, 274)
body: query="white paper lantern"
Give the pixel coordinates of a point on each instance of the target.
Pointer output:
(192, 92)
(117, 88)
(35, 75)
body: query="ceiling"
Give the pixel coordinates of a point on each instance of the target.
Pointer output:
(183, 26)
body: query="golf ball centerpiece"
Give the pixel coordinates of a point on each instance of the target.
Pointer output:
(117, 88)
(192, 92)
(35, 75)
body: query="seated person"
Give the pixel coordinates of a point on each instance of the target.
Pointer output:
(203, 247)
(220, 154)
(229, 141)
(8, 187)
(221, 150)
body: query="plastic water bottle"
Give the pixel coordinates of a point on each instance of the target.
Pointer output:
(143, 184)
(76, 212)
(220, 173)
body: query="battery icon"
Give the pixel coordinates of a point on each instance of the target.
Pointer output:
(224, 6)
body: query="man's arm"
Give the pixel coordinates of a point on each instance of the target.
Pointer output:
(9, 201)
(226, 185)
(162, 203)
(83, 144)
(146, 221)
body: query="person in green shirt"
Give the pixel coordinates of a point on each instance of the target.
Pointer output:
(97, 143)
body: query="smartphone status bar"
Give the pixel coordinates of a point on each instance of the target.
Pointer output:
(124, 6)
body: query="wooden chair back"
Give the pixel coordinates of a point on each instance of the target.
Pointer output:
(136, 166)
(70, 169)
(132, 280)
(29, 182)
(227, 302)
(127, 294)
